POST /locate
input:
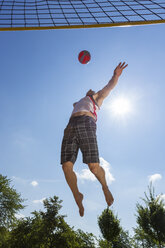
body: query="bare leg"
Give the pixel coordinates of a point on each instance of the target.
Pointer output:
(72, 182)
(99, 173)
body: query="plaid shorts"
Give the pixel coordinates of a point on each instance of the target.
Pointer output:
(80, 133)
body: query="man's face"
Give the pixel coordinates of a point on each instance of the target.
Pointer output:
(90, 92)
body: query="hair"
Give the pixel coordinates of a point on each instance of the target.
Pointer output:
(90, 92)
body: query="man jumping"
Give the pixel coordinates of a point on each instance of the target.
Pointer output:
(81, 133)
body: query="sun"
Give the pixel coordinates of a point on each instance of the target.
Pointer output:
(121, 106)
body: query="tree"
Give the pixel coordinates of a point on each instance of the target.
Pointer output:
(4, 234)
(142, 240)
(48, 229)
(150, 231)
(10, 202)
(103, 243)
(85, 240)
(122, 241)
(109, 225)
(113, 234)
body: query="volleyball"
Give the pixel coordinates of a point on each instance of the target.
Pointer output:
(84, 57)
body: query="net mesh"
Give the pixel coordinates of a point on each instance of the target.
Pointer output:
(29, 14)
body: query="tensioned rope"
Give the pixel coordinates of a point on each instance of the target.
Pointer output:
(49, 14)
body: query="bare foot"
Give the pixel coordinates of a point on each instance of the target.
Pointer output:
(108, 196)
(79, 199)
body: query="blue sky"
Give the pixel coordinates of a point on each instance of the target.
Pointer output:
(40, 80)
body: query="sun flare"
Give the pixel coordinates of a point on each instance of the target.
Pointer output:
(121, 106)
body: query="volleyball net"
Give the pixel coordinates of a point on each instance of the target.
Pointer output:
(59, 14)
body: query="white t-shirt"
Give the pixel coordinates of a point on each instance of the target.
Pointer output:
(86, 104)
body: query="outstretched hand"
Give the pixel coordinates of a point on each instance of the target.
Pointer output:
(119, 69)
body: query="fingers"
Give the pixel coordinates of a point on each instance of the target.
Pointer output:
(125, 66)
(122, 65)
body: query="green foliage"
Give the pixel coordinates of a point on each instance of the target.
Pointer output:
(151, 221)
(39, 230)
(104, 244)
(113, 234)
(48, 229)
(109, 225)
(121, 241)
(4, 234)
(85, 240)
(10, 202)
(141, 239)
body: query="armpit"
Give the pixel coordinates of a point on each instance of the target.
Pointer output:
(98, 101)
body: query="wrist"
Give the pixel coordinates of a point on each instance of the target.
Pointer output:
(115, 75)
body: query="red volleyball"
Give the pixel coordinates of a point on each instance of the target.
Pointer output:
(84, 57)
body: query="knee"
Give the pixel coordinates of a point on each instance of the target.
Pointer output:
(67, 166)
(94, 167)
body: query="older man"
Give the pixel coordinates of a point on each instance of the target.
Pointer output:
(80, 133)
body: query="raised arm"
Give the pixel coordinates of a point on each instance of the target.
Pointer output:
(102, 94)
